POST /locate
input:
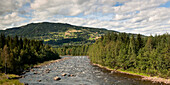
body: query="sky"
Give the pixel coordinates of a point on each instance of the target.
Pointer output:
(147, 17)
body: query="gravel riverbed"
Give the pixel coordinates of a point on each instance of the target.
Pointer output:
(77, 71)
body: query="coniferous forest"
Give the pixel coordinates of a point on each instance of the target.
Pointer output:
(149, 55)
(18, 54)
(120, 51)
(73, 50)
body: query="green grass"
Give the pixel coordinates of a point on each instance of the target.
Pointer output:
(130, 72)
(10, 80)
(91, 38)
(46, 40)
(53, 32)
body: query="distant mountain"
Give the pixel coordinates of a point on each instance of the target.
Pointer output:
(58, 34)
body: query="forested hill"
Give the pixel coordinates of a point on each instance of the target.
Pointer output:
(57, 34)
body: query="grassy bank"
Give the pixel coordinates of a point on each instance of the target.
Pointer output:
(9, 79)
(142, 75)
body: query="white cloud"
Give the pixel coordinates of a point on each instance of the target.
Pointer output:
(53, 7)
(8, 6)
(73, 7)
(9, 12)
(138, 5)
(169, 22)
(10, 20)
(122, 16)
(135, 16)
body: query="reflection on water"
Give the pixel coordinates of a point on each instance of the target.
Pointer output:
(78, 71)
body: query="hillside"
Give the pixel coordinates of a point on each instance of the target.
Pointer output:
(57, 34)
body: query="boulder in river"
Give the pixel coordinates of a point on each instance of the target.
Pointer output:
(32, 70)
(57, 78)
(71, 75)
(35, 72)
(112, 72)
(47, 71)
(23, 76)
(25, 83)
(64, 74)
(39, 80)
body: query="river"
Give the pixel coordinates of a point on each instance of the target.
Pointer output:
(78, 71)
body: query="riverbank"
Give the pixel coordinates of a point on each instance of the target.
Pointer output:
(9, 79)
(143, 77)
(12, 79)
(49, 62)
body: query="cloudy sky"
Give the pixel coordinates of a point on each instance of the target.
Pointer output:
(132, 16)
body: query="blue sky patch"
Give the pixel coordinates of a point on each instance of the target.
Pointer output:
(167, 5)
(118, 4)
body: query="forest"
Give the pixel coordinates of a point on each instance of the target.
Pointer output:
(18, 54)
(120, 51)
(149, 55)
(73, 50)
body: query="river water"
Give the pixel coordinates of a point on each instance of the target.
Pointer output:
(83, 74)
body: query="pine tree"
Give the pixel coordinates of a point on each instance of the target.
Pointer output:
(2, 41)
(148, 45)
(139, 42)
(5, 57)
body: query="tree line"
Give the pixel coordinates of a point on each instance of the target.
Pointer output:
(73, 50)
(18, 54)
(149, 55)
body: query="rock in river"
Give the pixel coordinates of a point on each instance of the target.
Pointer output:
(64, 74)
(57, 78)
(39, 80)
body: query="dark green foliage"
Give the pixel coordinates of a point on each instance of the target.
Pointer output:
(17, 54)
(150, 55)
(73, 50)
